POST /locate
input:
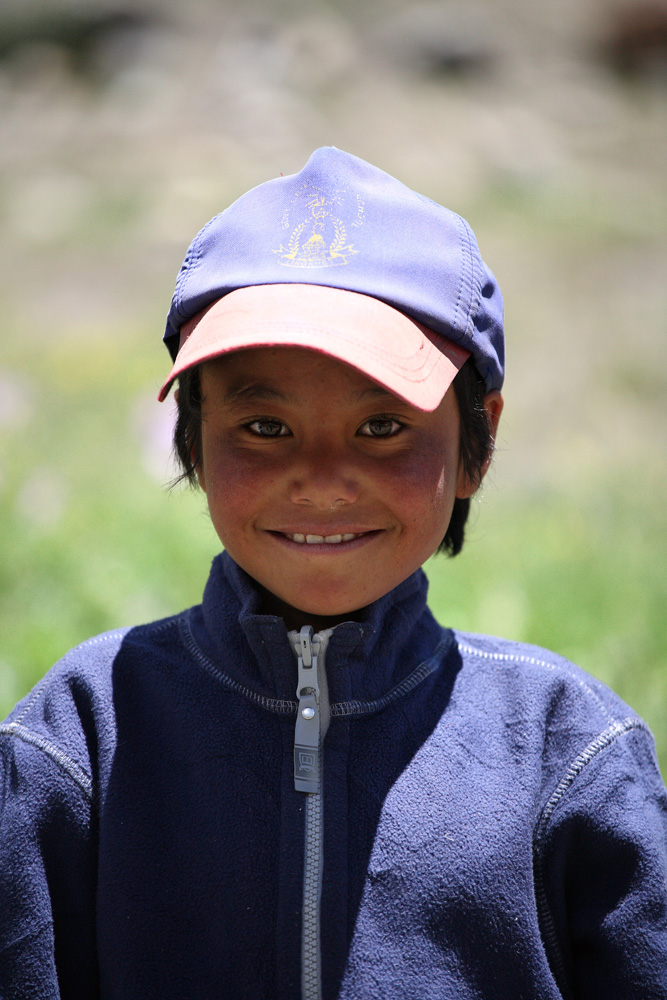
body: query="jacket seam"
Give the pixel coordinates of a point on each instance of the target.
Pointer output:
(604, 739)
(41, 687)
(408, 683)
(285, 706)
(536, 661)
(282, 706)
(64, 762)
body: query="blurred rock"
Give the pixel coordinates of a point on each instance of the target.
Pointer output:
(453, 39)
(95, 41)
(634, 40)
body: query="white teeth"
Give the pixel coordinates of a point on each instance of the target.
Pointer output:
(319, 539)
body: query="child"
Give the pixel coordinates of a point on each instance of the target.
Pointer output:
(305, 787)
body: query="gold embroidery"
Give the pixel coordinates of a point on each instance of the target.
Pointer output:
(319, 240)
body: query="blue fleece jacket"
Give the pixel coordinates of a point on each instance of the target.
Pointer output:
(494, 823)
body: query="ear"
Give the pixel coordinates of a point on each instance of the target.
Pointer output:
(197, 462)
(199, 470)
(493, 404)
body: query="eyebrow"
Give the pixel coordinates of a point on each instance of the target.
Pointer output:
(265, 392)
(255, 391)
(374, 392)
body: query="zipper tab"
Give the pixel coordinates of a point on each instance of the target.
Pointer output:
(307, 731)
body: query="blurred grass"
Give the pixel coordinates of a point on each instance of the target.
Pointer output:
(93, 541)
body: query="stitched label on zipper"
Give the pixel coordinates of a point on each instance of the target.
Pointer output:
(307, 730)
(306, 769)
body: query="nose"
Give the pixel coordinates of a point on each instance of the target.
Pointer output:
(324, 479)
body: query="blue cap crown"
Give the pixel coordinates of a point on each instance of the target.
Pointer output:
(344, 223)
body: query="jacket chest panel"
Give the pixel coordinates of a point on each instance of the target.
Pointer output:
(192, 871)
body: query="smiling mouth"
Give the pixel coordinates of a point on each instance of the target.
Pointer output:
(323, 539)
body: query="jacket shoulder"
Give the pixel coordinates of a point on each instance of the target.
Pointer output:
(559, 715)
(67, 721)
(541, 676)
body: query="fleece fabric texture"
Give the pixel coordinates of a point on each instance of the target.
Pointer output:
(494, 820)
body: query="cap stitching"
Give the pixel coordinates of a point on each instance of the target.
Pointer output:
(192, 258)
(459, 223)
(475, 285)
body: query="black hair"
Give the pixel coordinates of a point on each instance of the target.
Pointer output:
(475, 441)
(187, 430)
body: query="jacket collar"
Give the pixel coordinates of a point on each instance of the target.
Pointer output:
(365, 659)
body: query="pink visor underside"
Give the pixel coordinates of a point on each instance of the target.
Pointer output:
(408, 359)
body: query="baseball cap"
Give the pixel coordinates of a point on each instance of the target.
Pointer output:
(344, 259)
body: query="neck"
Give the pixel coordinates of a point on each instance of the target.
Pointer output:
(294, 618)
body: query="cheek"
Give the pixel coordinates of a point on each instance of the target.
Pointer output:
(232, 481)
(423, 487)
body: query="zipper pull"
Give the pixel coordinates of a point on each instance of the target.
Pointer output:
(307, 730)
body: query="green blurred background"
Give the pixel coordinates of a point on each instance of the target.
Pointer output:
(123, 128)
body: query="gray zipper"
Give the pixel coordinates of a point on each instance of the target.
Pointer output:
(312, 722)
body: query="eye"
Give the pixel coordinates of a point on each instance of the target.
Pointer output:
(266, 427)
(381, 427)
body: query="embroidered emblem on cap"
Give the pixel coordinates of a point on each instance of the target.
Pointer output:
(319, 239)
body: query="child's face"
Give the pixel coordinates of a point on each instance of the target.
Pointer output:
(296, 444)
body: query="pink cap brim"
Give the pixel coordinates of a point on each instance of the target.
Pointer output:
(408, 359)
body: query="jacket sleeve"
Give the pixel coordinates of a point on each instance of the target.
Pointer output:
(601, 871)
(47, 872)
